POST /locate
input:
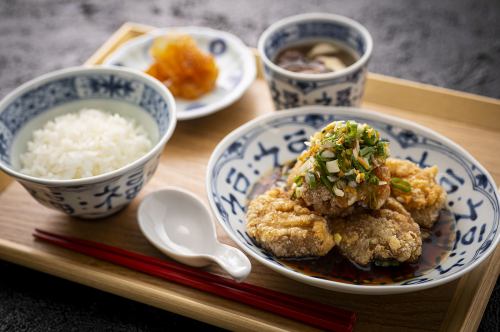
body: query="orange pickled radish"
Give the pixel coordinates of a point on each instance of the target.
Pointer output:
(185, 69)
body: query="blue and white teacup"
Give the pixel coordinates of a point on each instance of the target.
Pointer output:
(340, 88)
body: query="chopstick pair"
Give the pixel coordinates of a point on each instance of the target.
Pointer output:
(306, 311)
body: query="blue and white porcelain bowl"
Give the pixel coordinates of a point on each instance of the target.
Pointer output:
(340, 88)
(118, 90)
(234, 59)
(252, 150)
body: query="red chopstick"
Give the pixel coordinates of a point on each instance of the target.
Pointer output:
(306, 311)
(303, 303)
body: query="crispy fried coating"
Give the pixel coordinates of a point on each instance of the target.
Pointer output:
(386, 234)
(285, 228)
(426, 197)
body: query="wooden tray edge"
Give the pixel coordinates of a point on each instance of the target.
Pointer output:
(466, 320)
(423, 98)
(113, 283)
(473, 288)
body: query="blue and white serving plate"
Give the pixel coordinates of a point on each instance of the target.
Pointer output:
(252, 150)
(234, 59)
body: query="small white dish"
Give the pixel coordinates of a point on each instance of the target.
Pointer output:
(177, 223)
(234, 59)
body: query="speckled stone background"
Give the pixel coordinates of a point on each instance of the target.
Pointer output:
(450, 43)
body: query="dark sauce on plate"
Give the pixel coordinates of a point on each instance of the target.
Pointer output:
(436, 246)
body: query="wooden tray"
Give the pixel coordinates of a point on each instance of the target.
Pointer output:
(472, 121)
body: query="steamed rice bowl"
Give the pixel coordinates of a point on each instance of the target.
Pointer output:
(83, 144)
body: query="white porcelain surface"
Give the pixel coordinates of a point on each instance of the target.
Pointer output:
(234, 59)
(180, 225)
(253, 149)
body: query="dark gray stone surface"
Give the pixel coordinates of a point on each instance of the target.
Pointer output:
(450, 43)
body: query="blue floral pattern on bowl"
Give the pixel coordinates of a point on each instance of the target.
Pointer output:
(343, 88)
(102, 88)
(234, 60)
(245, 155)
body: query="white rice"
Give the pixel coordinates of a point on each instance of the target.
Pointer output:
(82, 144)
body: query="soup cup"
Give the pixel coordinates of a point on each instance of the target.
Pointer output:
(339, 88)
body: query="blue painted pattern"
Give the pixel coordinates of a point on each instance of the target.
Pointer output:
(156, 106)
(36, 101)
(193, 106)
(217, 46)
(343, 91)
(471, 195)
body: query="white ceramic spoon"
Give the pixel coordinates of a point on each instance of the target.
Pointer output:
(178, 223)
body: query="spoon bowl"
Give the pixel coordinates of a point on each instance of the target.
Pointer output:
(178, 223)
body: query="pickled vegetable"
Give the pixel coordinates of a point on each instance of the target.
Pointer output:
(182, 66)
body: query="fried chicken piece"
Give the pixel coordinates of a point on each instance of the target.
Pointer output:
(386, 234)
(342, 167)
(426, 197)
(285, 228)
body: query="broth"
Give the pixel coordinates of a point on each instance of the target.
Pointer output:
(315, 58)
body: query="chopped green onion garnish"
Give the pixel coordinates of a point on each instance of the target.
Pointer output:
(357, 165)
(352, 130)
(326, 183)
(373, 179)
(298, 180)
(311, 178)
(327, 154)
(381, 149)
(401, 184)
(321, 164)
(370, 139)
(367, 150)
(344, 151)
(323, 172)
